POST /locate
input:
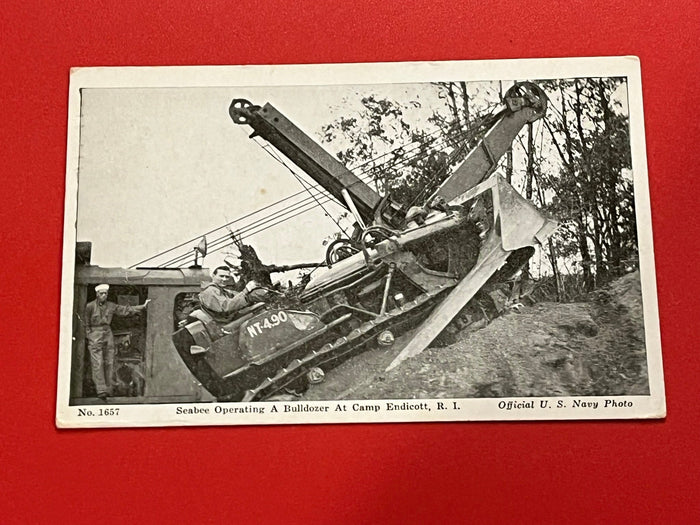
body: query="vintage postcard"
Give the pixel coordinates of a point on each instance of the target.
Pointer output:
(388, 242)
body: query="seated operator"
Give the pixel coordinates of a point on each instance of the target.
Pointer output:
(219, 300)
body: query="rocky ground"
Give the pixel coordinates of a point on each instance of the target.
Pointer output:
(548, 349)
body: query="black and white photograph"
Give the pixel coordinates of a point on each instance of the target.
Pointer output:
(436, 241)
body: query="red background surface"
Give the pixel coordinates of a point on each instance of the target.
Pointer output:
(624, 472)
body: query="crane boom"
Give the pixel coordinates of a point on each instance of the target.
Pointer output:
(268, 123)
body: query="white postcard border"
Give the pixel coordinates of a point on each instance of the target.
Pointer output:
(147, 415)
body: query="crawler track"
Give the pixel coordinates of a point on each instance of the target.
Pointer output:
(355, 342)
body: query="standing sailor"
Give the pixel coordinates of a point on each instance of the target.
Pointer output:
(98, 318)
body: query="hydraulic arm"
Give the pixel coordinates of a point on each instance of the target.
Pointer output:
(525, 102)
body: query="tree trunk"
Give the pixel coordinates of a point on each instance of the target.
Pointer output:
(530, 162)
(552, 253)
(578, 111)
(465, 101)
(509, 151)
(529, 176)
(600, 267)
(586, 263)
(453, 101)
(611, 178)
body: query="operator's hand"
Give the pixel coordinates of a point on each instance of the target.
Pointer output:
(145, 304)
(251, 285)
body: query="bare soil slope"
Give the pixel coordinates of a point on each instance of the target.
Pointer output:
(549, 349)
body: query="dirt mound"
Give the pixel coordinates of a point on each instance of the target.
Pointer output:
(549, 349)
(619, 364)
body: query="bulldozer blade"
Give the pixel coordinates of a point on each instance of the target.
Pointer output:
(520, 225)
(438, 320)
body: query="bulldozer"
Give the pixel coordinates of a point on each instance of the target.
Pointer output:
(402, 269)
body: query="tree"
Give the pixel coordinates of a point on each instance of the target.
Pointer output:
(590, 196)
(577, 168)
(408, 159)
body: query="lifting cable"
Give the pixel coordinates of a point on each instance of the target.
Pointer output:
(469, 135)
(430, 187)
(298, 206)
(437, 135)
(295, 205)
(301, 181)
(223, 243)
(185, 243)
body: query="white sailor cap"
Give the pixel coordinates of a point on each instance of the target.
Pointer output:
(101, 288)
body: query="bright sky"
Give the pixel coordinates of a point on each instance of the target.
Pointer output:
(160, 166)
